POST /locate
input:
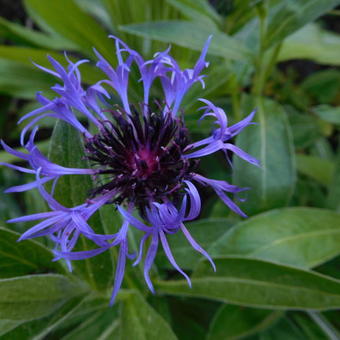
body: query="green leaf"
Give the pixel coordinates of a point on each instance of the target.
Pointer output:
(27, 56)
(270, 141)
(34, 202)
(26, 257)
(197, 10)
(240, 14)
(75, 312)
(93, 303)
(290, 236)
(9, 207)
(140, 321)
(325, 325)
(283, 330)
(333, 201)
(34, 296)
(59, 318)
(131, 11)
(190, 318)
(310, 329)
(234, 322)
(161, 306)
(66, 149)
(323, 148)
(40, 328)
(22, 81)
(96, 9)
(291, 15)
(100, 326)
(328, 113)
(20, 78)
(205, 232)
(7, 325)
(23, 34)
(313, 43)
(257, 283)
(316, 168)
(306, 129)
(330, 268)
(191, 35)
(65, 320)
(323, 86)
(65, 18)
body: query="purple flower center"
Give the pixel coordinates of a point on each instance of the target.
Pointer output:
(142, 158)
(143, 163)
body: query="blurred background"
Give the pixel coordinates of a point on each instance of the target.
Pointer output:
(280, 56)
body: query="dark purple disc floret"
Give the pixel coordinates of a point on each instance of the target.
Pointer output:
(141, 159)
(141, 156)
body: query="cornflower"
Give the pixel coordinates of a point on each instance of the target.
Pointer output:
(143, 154)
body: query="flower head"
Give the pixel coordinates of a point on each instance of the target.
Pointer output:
(141, 156)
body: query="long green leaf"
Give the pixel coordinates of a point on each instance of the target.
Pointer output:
(190, 318)
(306, 129)
(39, 328)
(290, 15)
(323, 86)
(319, 169)
(96, 9)
(270, 141)
(131, 11)
(310, 329)
(290, 235)
(23, 34)
(282, 330)
(32, 297)
(27, 56)
(101, 325)
(325, 325)
(7, 325)
(19, 80)
(234, 322)
(26, 257)
(140, 321)
(333, 201)
(198, 10)
(205, 232)
(257, 283)
(328, 113)
(313, 43)
(67, 149)
(191, 35)
(65, 18)
(59, 318)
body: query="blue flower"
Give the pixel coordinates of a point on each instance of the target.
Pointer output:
(148, 166)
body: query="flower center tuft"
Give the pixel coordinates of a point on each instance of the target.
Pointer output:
(142, 158)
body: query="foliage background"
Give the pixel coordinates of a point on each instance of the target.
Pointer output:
(277, 271)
